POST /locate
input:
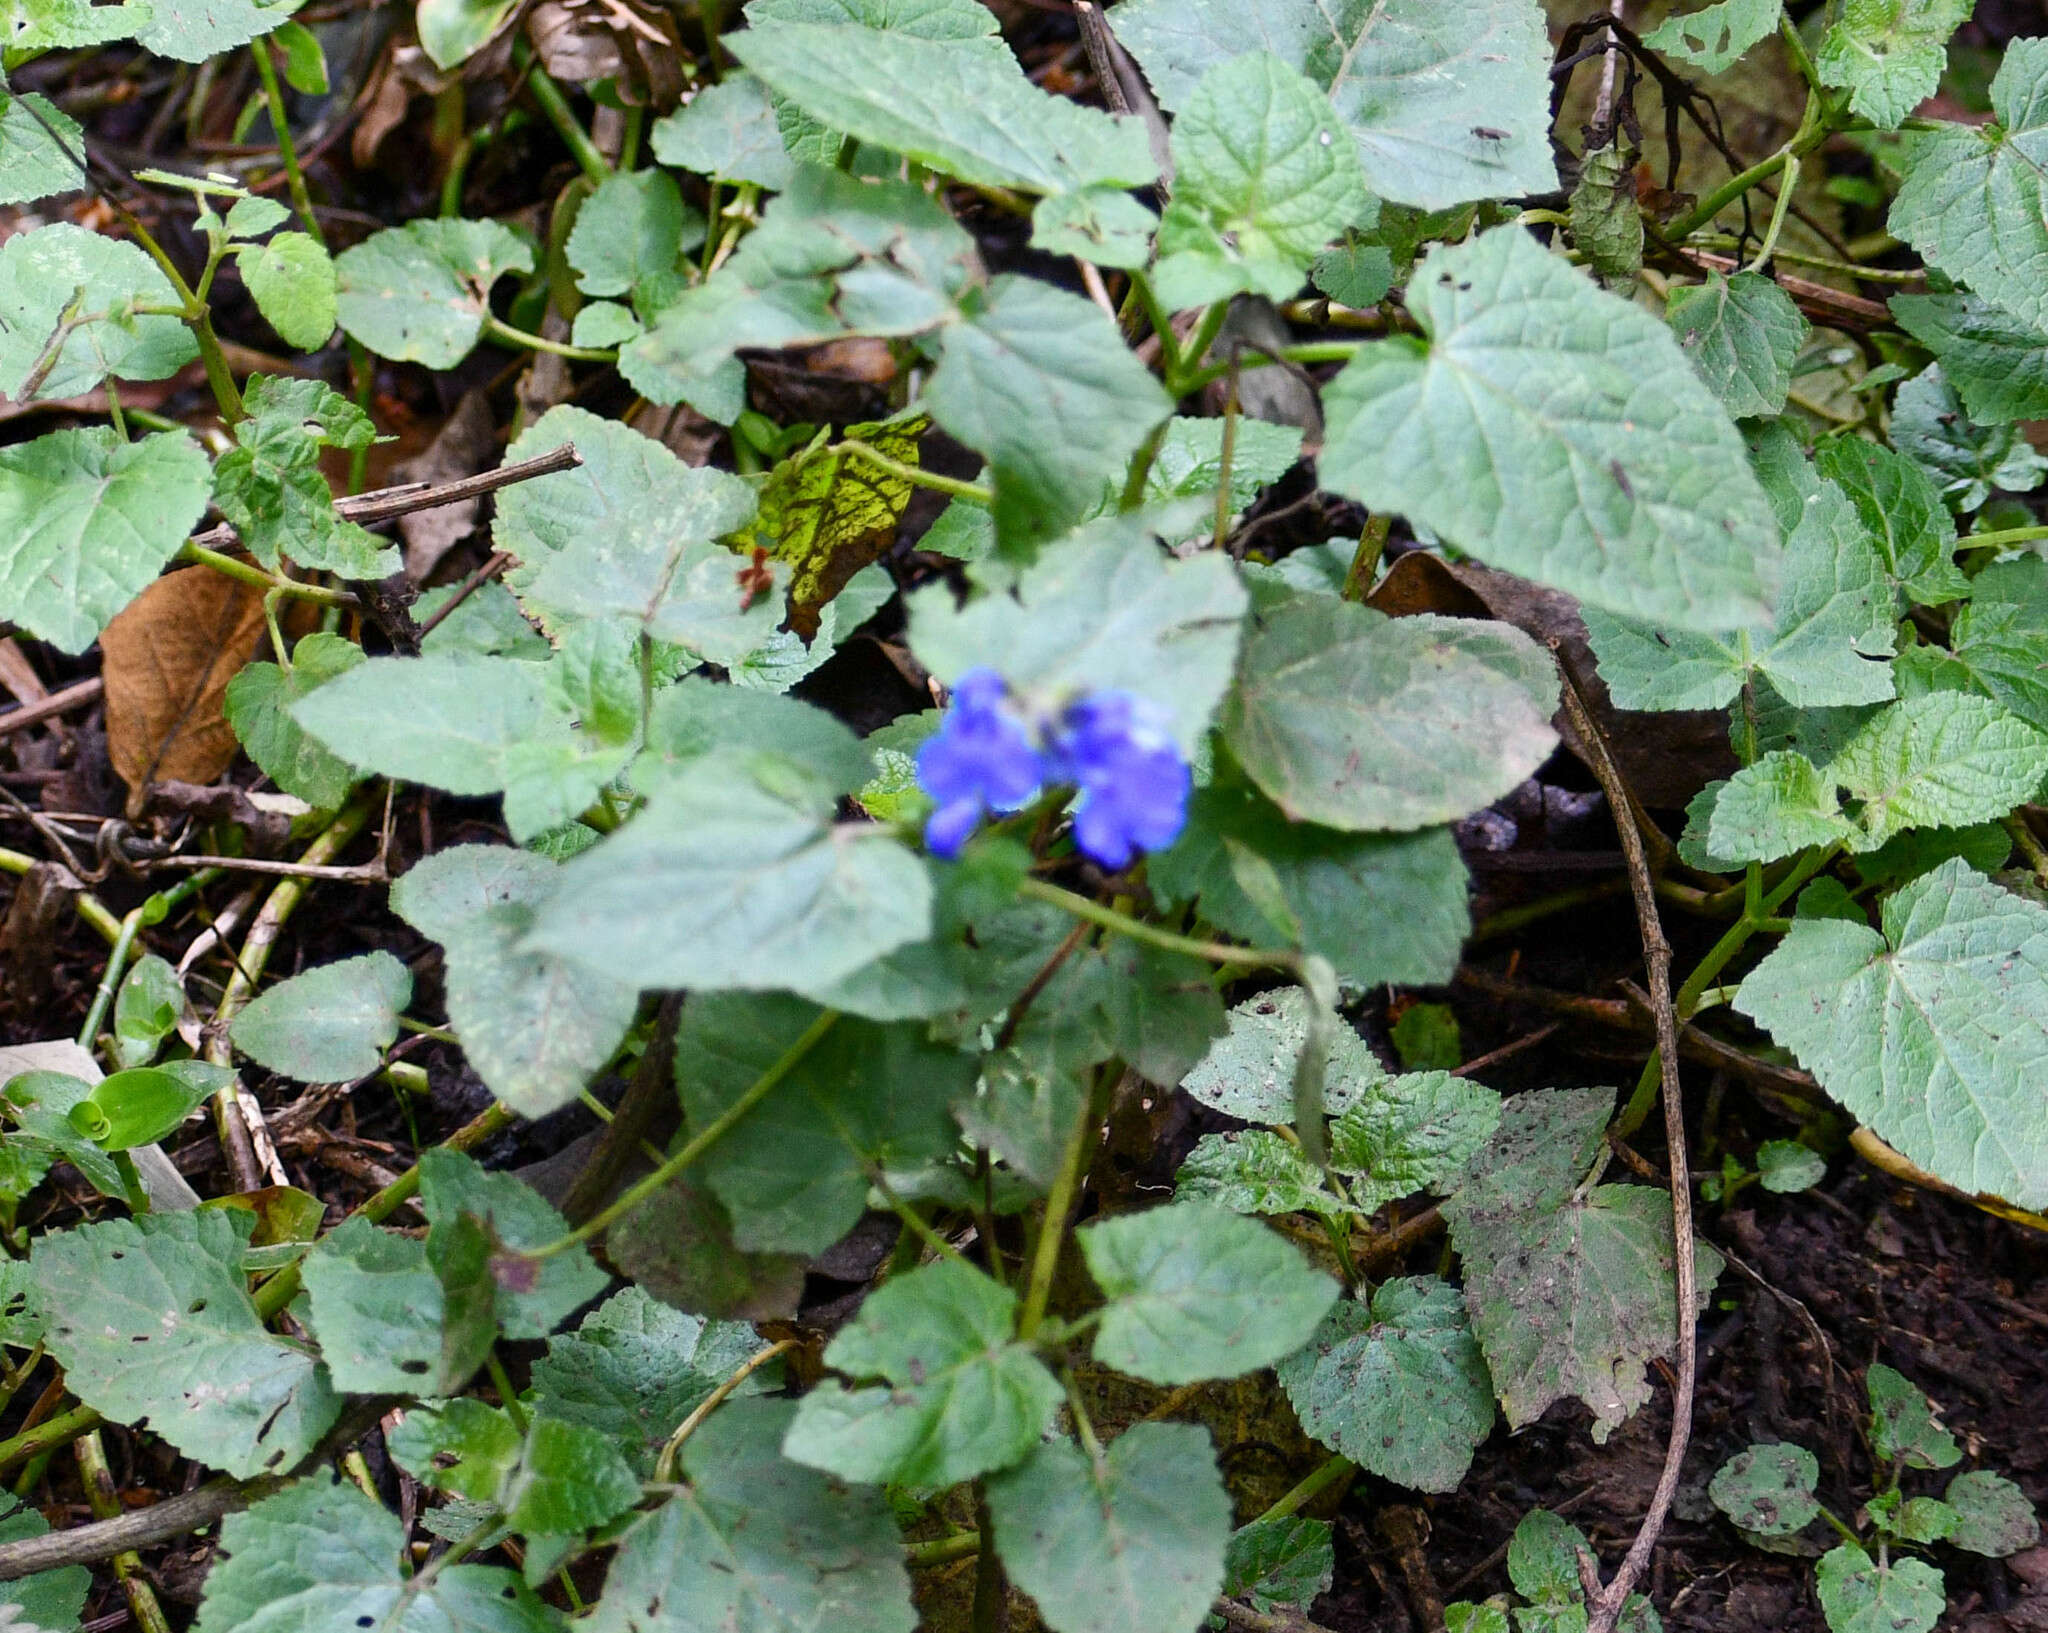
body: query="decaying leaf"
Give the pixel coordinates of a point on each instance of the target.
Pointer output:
(169, 658)
(831, 514)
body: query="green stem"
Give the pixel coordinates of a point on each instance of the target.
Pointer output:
(256, 578)
(295, 178)
(1328, 1474)
(1314, 351)
(1161, 321)
(1813, 130)
(1365, 560)
(713, 1131)
(973, 492)
(498, 329)
(152, 910)
(508, 1397)
(555, 106)
(131, 1182)
(2006, 535)
(1786, 188)
(1215, 952)
(1191, 355)
(1756, 917)
(941, 1550)
(1795, 48)
(1052, 1230)
(47, 1436)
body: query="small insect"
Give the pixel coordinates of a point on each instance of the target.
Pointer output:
(1621, 481)
(1486, 133)
(754, 579)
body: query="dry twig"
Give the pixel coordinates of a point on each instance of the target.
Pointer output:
(1604, 1604)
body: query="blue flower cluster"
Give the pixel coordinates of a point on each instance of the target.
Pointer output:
(1114, 747)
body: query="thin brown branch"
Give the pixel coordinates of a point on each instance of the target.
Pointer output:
(74, 696)
(142, 1528)
(1604, 1605)
(384, 504)
(1241, 1615)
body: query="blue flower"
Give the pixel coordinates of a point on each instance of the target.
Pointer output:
(1117, 750)
(981, 759)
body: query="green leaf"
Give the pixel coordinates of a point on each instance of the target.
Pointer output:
(42, 24)
(666, 573)
(1886, 1022)
(1380, 907)
(1775, 807)
(1105, 225)
(193, 30)
(733, 877)
(1358, 721)
(1354, 274)
(1465, 1617)
(305, 60)
(1903, 1428)
(1994, 1517)
(679, 1246)
(420, 293)
(330, 1024)
(1787, 1167)
(147, 1009)
(962, 1396)
(1637, 497)
(1039, 381)
(1280, 1564)
(1256, 1171)
(1188, 463)
(460, 1446)
(271, 487)
(536, 1028)
(533, 1299)
(292, 281)
(151, 1320)
(1902, 508)
(1105, 609)
(1713, 38)
(1411, 1133)
(255, 215)
(1889, 54)
(635, 1369)
(1263, 180)
(1970, 462)
(1835, 615)
(726, 130)
(1972, 201)
(453, 31)
(755, 1541)
(697, 717)
(1858, 1595)
(1248, 1073)
(47, 1599)
(962, 106)
(927, 19)
(320, 1555)
(1995, 362)
(385, 1323)
(1445, 106)
(465, 724)
(1426, 1038)
(629, 234)
(1197, 1293)
(832, 257)
(1768, 1489)
(1607, 222)
(1131, 1541)
(1571, 1294)
(1743, 335)
(1398, 1386)
(87, 521)
(142, 1105)
(795, 1172)
(33, 162)
(258, 704)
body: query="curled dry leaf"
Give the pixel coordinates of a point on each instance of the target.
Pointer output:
(168, 660)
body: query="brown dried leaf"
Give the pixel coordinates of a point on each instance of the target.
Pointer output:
(634, 44)
(168, 660)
